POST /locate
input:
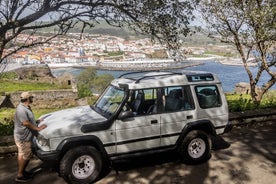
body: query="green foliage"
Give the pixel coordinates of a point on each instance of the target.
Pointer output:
(6, 129)
(269, 100)
(8, 75)
(84, 90)
(88, 82)
(101, 82)
(115, 53)
(87, 75)
(6, 121)
(12, 85)
(242, 102)
(84, 81)
(237, 103)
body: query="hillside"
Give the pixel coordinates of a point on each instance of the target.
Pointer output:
(194, 39)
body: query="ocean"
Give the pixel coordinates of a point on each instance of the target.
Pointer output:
(228, 74)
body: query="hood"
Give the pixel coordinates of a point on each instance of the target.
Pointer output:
(69, 121)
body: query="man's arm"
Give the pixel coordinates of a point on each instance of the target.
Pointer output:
(32, 126)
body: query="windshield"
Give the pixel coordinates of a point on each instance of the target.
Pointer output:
(109, 101)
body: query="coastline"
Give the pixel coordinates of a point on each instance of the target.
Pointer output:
(137, 65)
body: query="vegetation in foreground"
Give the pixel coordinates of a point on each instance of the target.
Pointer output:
(242, 102)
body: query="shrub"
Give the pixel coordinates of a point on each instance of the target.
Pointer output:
(243, 102)
(6, 128)
(88, 82)
(6, 121)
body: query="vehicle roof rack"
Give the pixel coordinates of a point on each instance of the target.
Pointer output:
(136, 72)
(159, 75)
(138, 79)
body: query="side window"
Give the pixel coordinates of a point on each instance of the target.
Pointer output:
(150, 94)
(137, 101)
(178, 98)
(141, 100)
(208, 96)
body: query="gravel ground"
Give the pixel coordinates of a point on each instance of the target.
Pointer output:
(246, 155)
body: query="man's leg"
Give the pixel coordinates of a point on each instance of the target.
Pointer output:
(22, 164)
(23, 158)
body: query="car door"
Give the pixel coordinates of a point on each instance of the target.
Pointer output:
(140, 132)
(179, 110)
(137, 133)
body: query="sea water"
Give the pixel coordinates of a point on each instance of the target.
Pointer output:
(229, 75)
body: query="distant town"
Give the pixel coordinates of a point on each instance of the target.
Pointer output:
(92, 49)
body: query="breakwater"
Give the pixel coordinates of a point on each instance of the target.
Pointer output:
(143, 65)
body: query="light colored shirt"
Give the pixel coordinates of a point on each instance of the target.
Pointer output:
(21, 132)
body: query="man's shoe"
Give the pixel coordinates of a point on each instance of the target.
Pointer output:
(28, 174)
(23, 179)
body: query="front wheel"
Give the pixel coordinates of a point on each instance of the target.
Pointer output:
(195, 147)
(81, 165)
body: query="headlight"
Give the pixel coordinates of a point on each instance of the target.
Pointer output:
(43, 143)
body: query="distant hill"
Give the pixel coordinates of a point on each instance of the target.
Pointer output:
(196, 38)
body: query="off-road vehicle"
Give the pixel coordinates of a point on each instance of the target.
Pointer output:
(138, 113)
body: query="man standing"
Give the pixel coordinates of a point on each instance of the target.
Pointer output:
(25, 128)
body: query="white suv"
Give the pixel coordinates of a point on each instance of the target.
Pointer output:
(138, 113)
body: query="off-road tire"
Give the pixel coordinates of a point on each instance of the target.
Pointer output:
(81, 165)
(195, 148)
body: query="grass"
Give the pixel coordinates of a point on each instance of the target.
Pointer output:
(9, 83)
(13, 85)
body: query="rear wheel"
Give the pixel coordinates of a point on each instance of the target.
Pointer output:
(195, 147)
(81, 165)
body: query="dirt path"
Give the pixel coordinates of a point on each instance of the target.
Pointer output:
(246, 155)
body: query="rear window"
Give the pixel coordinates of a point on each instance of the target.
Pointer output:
(200, 77)
(208, 96)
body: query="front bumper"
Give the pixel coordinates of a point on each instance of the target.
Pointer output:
(46, 155)
(228, 127)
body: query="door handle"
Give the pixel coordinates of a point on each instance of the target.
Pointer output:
(153, 121)
(190, 117)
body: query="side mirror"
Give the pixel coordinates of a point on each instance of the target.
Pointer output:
(125, 114)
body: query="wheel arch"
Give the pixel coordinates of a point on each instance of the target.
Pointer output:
(89, 140)
(203, 125)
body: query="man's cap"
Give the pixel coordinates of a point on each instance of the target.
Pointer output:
(26, 95)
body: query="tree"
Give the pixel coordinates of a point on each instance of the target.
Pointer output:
(89, 83)
(250, 26)
(164, 20)
(85, 81)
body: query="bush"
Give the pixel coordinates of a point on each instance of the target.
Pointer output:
(238, 103)
(6, 121)
(88, 82)
(243, 102)
(6, 128)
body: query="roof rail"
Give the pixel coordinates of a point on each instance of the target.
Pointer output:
(148, 76)
(136, 72)
(148, 71)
